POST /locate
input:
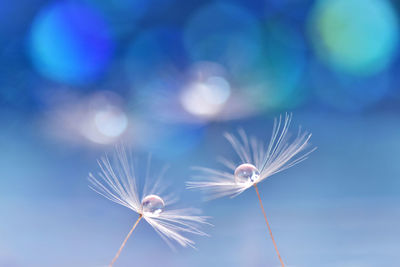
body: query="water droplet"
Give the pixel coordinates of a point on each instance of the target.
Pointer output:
(152, 205)
(246, 173)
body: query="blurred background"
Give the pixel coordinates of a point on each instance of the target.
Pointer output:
(169, 77)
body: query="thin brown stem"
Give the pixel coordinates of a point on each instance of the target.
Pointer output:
(269, 228)
(126, 239)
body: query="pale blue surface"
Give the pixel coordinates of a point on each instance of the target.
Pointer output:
(338, 208)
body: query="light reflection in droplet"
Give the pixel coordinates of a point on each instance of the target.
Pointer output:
(152, 205)
(246, 173)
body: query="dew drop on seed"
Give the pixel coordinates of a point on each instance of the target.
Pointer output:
(246, 173)
(152, 205)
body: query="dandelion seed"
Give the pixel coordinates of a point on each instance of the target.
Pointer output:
(116, 181)
(257, 163)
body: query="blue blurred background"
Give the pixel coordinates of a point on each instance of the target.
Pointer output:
(168, 77)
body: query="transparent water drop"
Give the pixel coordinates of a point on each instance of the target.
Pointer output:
(246, 173)
(152, 205)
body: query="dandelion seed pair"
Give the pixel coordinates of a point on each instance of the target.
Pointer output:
(257, 162)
